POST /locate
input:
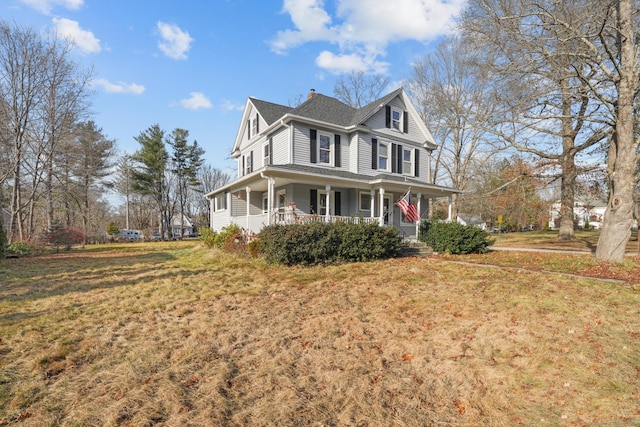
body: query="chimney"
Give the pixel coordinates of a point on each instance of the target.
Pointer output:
(311, 93)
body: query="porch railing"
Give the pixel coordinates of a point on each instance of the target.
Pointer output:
(288, 218)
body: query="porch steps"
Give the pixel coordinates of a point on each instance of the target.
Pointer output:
(417, 249)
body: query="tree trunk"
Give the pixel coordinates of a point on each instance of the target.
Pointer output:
(618, 217)
(569, 169)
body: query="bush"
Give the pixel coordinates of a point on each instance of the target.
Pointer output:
(325, 243)
(18, 249)
(60, 236)
(208, 237)
(228, 238)
(454, 238)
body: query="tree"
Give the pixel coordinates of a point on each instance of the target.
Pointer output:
(149, 173)
(186, 160)
(541, 84)
(92, 155)
(358, 89)
(209, 179)
(453, 104)
(123, 185)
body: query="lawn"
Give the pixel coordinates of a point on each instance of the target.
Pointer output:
(176, 334)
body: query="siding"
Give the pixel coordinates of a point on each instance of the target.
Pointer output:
(301, 146)
(280, 147)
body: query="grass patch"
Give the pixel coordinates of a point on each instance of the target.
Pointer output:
(175, 334)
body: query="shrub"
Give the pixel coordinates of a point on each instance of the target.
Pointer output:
(454, 238)
(325, 243)
(208, 237)
(60, 236)
(18, 249)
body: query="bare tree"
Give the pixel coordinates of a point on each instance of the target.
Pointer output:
(452, 101)
(357, 89)
(545, 107)
(209, 179)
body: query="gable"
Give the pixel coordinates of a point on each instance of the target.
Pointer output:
(256, 117)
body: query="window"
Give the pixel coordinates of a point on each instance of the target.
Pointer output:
(282, 200)
(266, 154)
(396, 119)
(407, 161)
(254, 126)
(248, 164)
(220, 202)
(365, 202)
(383, 156)
(265, 202)
(324, 149)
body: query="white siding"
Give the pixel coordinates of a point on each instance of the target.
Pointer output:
(354, 153)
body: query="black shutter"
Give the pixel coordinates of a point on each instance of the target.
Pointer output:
(248, 129)
(242, 171)
(257, 123)
(251, 157)
(405, 122)
(337, 209)
(394, 158)
(313, 199)
(374, 153)
(313, 155)
(270, 151)
(400, 159)
(416, 163)
(388, 117)
(337, 150)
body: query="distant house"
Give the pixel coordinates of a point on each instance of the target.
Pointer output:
(188, 228)
(589, 211)
(327, 161)
(470, 219)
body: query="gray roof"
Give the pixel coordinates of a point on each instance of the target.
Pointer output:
(269, 111)
(322, 108)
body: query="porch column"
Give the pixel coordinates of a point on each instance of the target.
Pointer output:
(450, 209)
(381, 218)
(327, 214)
(270, 189)
(419, 207)
(373, 204)
(248, 192)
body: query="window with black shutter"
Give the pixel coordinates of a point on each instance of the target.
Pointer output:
(337, 155)
(374, 153)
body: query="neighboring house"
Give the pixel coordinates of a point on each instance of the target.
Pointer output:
(470, 219)
(593, 210)
(186, 224)
(327, 161)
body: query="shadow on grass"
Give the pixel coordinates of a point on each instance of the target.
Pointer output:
(30, 279)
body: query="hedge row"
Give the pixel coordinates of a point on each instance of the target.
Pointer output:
(454, 238)
(325, 243)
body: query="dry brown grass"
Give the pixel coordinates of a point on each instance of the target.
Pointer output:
(173, 334)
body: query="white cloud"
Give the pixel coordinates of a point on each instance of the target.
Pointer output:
(362, 29)
(345, 63)
(83, 39)
(119, 87)
(45, 6)
(196, 101)
(227, 105)
(175, 43)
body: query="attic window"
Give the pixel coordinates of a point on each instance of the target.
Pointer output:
(396, 119)
(254, 126)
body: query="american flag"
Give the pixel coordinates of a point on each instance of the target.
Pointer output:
(408, 209)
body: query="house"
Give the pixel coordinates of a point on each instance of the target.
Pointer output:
(590, 211)
(186, 224)
(327, 161)
(471, 219)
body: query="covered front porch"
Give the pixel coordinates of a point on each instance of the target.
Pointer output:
(280, 196)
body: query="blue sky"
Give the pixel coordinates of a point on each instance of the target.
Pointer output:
(192, 64)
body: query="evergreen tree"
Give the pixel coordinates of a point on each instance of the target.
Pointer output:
(149, 172)
(186, 161)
